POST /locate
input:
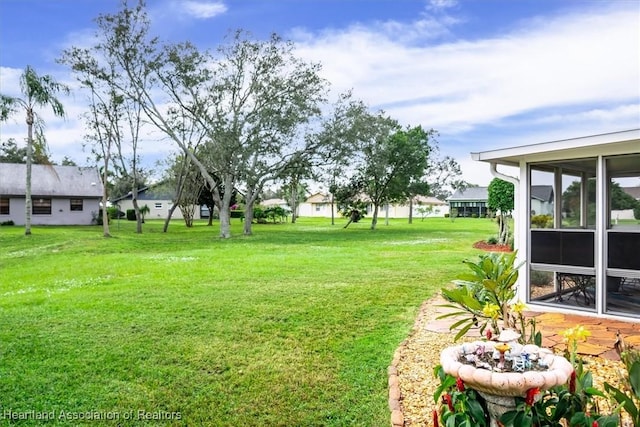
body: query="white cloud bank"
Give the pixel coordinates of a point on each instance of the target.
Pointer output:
(565, 75)
(202, 9)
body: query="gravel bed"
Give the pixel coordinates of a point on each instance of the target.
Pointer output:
(412, 381)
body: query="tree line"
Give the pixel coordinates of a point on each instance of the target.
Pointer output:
(245, 115)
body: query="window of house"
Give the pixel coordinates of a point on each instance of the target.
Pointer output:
(4, 206)
(75, 204)
(542, 198)
(158, 205)
(41, 206)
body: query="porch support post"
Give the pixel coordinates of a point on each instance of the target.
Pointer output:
(602, 218)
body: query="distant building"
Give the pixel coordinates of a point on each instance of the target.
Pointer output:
(159, 200)
(319, 205)
(60, 195)
(541, 199)
(471, 201)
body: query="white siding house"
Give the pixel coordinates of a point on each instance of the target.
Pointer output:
(60, 195)
(159, 200)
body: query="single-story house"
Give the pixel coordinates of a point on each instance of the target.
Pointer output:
(422, 206)
(60, 195)
(469, 202)
(624, 214)
(159, 200)
(585, 260)
(319, 205)
(268, 203)
(541, 199)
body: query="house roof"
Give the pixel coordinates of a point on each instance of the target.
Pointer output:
(150, 192)
(274, 202)
(542, 192)
(470, 194)
(633, 192)
(429, 200)
(318, 198)
(50, 180)
(623, 142)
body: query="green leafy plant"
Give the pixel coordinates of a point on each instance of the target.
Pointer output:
(629, 396)
(570, 404)
(459, 405)
(483, 298)
(541, 221)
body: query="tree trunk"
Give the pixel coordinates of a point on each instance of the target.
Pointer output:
(333, 216)
(210, 222)
(225, 223)
(411, 210)
(386, 214)
(223, 207)
(374, 219)
(168, 218)
(136, 208)
(27, 194)
(188, 212)
(248, 219)
(105, 197)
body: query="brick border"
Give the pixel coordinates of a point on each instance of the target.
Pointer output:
(397, 417)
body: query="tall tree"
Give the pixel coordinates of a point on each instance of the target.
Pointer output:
(102, 119)
(37, 91)
(107, 73)
(394, 164)
(340, 137)
(501, 198)
(250, 99)
(294, 189)
(261, 98)
(443, 175)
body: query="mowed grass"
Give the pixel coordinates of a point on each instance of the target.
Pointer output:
(293, 326)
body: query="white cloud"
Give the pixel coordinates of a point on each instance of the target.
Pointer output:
(580, 58)
(203, 9)
(560, 76)
(441, 4)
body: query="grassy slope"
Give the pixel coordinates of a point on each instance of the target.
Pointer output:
(292, 326)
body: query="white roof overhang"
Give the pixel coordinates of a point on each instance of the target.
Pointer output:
(625, 142)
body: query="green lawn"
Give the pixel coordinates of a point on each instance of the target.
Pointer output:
(295, 325)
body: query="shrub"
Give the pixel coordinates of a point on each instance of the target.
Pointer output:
(446, 215)
(483, 298)
(114, 213)
(540, 278)
(492, 241)
(7, 223)
(636, 211)
(97, 217)
(131, 214)
(541, 221)
(474, 215)
(237, 213)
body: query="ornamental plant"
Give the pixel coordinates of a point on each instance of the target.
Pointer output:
(484, 298)
(460, 406)
(571, 404)
(628, 396)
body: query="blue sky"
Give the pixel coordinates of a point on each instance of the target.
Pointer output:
(485, 73)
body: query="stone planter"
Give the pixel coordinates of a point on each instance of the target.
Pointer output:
(499, 389)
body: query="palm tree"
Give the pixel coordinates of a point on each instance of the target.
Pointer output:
(37, 91)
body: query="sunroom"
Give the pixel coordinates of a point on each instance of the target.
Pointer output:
(581, 252)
